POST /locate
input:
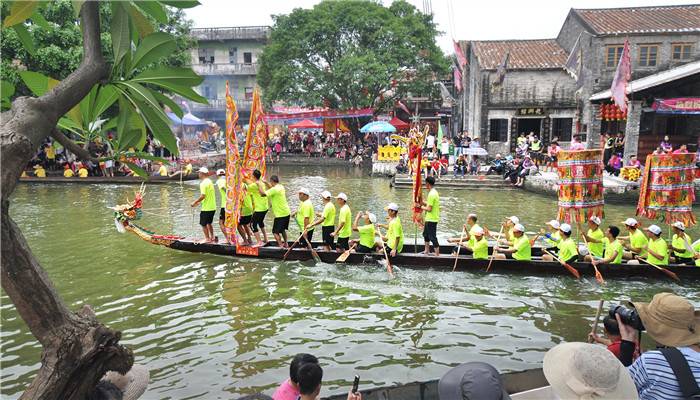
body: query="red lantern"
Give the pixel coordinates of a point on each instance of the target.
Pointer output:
(325, 102)
(381, 97)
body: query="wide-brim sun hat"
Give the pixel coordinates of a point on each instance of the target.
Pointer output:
(132, 384)
(670, 320)
(472, 380)
(587, 371)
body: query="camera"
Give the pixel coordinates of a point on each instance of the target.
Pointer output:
(627, 316)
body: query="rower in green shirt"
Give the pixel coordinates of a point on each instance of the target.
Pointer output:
(344, 228)
(477, 246)
(327, 219)
(208, 200)
(304, 216)
(278, 200)
(367, 232)
(637, 240)
(432, 216)
(656, 249)
(680, 245)
(468, 240)
(221, 184)
(568, 251)
(260, 203)
(613, 248)
(594, 237)
(553, 237)
(246, 216)
(519, 248)
(394, 236)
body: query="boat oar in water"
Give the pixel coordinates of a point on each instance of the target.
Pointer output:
(597, 318)
(386, 256)
(345, 254)
(493, 253)
(671, 274)
(569, 267)
(459, 247)
(585, 241)
(292, 246)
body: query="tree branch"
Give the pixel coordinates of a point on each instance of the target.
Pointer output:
(71, 146)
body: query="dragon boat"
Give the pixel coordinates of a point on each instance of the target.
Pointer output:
(111, 179)
(125, 215)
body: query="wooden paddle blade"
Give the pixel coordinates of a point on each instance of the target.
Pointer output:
(343, 256)
(598, 275)
(572, 270)
(671, 274)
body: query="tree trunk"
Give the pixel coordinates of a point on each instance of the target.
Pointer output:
(77, 349)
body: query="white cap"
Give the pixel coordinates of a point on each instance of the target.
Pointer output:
(554, 224)
(653, 229)
(594, 219)
(304, 190)
(566, 228)
(326, 194)
(204, 170)
(372, 218)
(478, 230)
(514, 219)
(680, 225)
(519, 228)
(220, 171)
(392, 206)
(630, 222)
(498, 155)
(342, 195)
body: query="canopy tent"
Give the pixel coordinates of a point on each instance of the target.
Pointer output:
(377, 127)
(306, 124)
(399, 124)
(187, 120)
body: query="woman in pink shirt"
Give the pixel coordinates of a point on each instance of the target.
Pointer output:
(576, 144)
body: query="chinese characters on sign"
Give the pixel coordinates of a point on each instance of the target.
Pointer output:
(531, 111)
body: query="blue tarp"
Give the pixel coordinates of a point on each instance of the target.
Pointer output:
(187, 120)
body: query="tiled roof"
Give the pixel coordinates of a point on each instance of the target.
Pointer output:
(524, 54)
(610, 21)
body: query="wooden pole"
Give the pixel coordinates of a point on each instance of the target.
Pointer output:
(597, 317)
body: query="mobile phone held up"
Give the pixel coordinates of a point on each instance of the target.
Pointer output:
(356, 383)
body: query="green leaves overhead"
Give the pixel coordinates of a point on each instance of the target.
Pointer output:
(120, 30)
(20, 11)
(152, 48)
(154, 9)
(25, 38)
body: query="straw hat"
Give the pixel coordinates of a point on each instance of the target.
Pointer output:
(133, 384)
(670, 320)
(587, 371)
(472, 380)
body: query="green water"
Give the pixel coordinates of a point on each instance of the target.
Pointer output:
(218, 327)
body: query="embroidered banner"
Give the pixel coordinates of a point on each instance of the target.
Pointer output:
(623, 73)
(415, 156)
(580, 184)
(235, 190)
(689, 105)
(667, 188)
(254, 154)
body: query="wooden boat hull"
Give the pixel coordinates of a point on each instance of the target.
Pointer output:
(514, 382)
(420, 261)
(114, 179)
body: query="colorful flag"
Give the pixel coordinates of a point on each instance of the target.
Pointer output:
(667, 189)
(439, 136)
(403, 107)
(457, 76)
(460, 56)
(235, 190)
(501, 73)
(254, 154)
(580, 184)
(574, 66)
(623, 73)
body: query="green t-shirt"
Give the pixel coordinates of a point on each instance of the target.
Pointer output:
(596, 249)
(259, 202)
(306, 210)
(206, 187)
(328, 215)
(472, 239)
(679, 243)
(395, 231)
(434, 201)
(659, 247)
(637, 239)
(278, 201)
(345, 216)
(481, 248)
(522, 245)
(367, 235)
(616, 245)
(567, 249)
(696, 247)
(556, 238)
(221, 184)
(247, 204)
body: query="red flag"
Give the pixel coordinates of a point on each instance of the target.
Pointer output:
(460, 56)
(403, 107)
(458, 80)
(618, 91)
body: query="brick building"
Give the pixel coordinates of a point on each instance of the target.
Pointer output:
(538, 95)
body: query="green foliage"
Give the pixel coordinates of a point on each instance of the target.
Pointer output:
(350, 53)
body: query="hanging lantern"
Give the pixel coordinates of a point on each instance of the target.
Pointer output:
(325, 102)
(381, 97)
(393, 83)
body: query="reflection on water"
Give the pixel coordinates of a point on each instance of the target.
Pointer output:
(216, 327)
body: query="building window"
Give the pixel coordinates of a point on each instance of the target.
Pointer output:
(612, 55)
(561, 128)
(209, 90)
(681, 51)
(499, 130)
(233, 55)
(648, 55)
(206, 56)
(247, 58)
(249, 93)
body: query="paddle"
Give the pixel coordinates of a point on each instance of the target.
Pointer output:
(595, 323)
(459, 247)
(386, 256)
(345, 254)
(569, 267)
(688, 246)
(585, 241)
(311, 247)
(292, 246)
(493, 253)
(671, 274)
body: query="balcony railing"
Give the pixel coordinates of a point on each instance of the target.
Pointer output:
(220, 104)
(225, 69)
(240, 32)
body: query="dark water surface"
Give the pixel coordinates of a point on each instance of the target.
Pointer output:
(217, 327)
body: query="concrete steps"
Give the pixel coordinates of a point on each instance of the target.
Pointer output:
(489, 182)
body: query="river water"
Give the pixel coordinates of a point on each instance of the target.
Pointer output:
(218, 327)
